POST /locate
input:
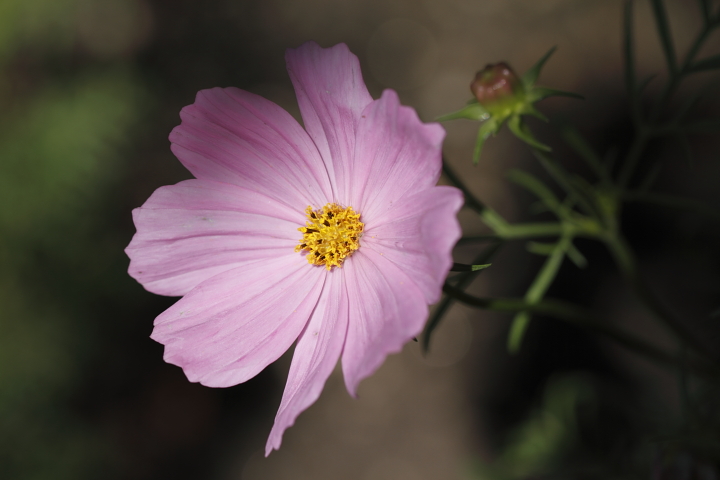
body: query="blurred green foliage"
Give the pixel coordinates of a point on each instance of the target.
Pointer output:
(60, 138)
(541, 443)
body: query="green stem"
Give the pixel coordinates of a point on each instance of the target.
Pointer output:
(578, 316)
(509, 231)
(537, 290)
(463, 281)
(471, 201)
(675, 77)
(628, 267)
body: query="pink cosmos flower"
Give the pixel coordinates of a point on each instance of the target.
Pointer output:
(335, 237)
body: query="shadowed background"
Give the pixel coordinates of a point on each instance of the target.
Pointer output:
(89, 91)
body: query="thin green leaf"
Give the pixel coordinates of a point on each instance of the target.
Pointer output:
(536, 292)
(536, 186)
(573, 138)
(472, 111)
(541, 248)
(565, 181)
(663, 27)
(517, 331)
(461, 267)
(464, 281)
(490, 127)
(710, 63)
(576, 256)
(471, 201)
(583, 318)
(531, 76)
(520, 129)
(588, 192)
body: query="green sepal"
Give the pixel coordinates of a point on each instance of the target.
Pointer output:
(472, 111)
(518, 127)
(529, 109)
(539, 93)
(490, 127)
(531, 76)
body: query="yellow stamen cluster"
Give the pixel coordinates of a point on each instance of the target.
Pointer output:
(330, 235)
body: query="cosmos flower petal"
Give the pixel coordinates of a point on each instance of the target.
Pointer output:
(315, 357)
(233, 136)
(196, 229)
(418, 236)
(331, 95)
(396, 155)
(387, 310)
(230, 327)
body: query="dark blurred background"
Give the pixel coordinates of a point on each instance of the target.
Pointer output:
(89, 91)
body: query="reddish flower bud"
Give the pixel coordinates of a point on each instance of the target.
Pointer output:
(495, 82)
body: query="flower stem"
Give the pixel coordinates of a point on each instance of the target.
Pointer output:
(649, 129)
(471, 200)
(628, 267)
(537, 290)
(583, 318)
(509, 231)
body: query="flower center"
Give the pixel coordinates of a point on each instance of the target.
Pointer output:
(331, 235)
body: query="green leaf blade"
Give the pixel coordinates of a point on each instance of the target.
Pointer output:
(573, 138)
(535, 186)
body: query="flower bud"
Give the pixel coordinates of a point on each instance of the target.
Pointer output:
(495, 83)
